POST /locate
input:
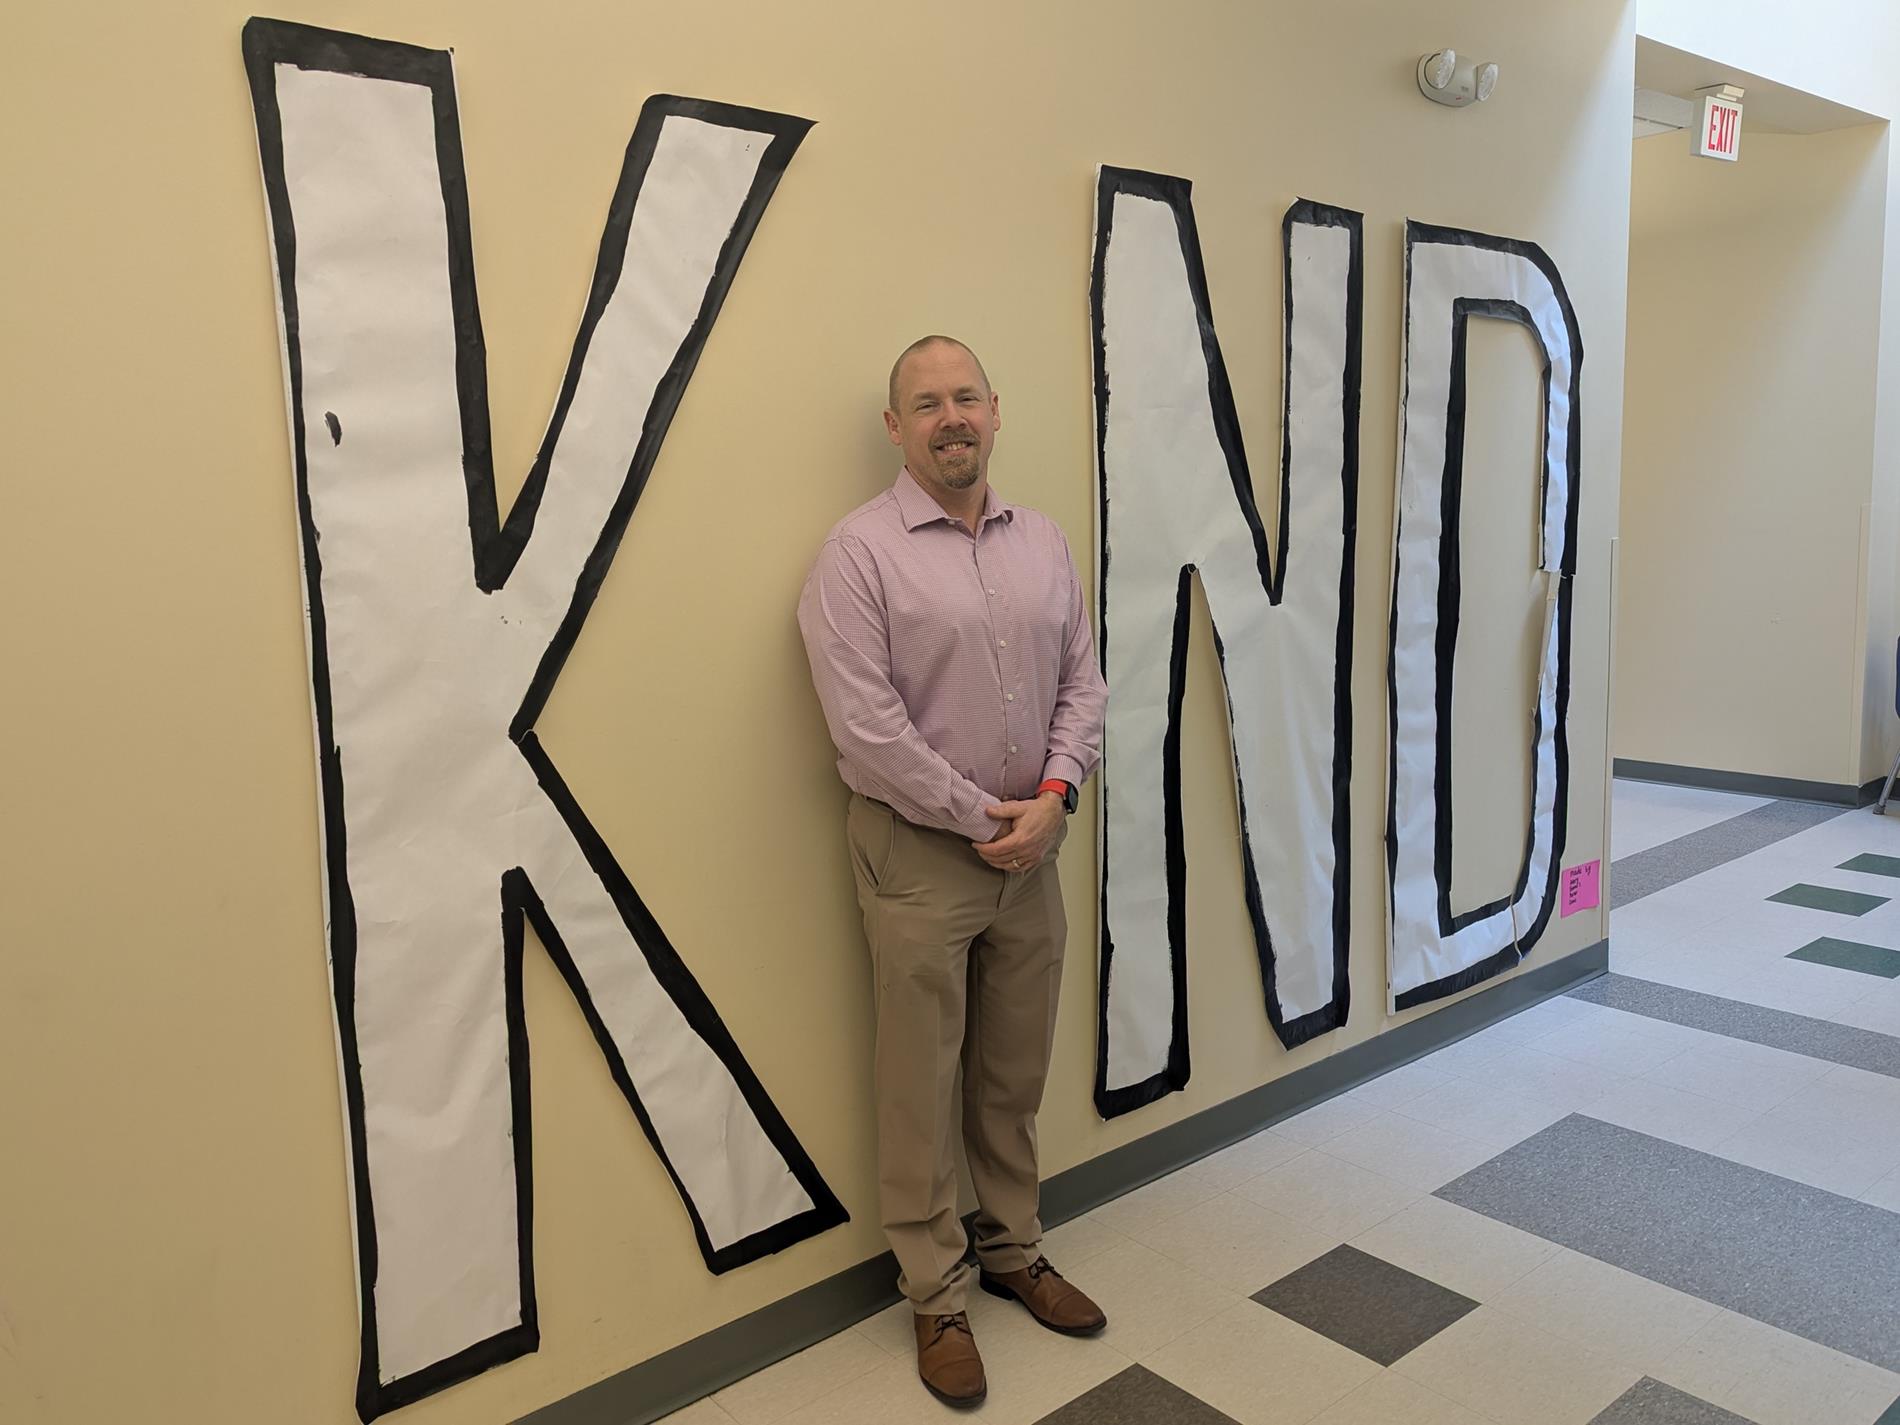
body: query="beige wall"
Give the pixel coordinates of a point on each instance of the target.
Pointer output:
(1747, 451)
(173, 1222)
(1847, 51)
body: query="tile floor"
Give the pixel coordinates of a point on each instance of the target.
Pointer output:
(1672, 1196)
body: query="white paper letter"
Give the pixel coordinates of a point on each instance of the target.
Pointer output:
(436, 634)
(1452, 276)
(1177, 499)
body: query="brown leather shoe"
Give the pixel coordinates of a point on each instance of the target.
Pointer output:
(1050, 1299)
(947, 1361)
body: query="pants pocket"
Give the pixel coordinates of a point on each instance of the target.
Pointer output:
(871, 833)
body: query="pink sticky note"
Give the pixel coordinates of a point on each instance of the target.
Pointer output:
(1580, 886)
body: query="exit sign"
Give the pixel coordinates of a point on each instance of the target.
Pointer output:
(1719, 135)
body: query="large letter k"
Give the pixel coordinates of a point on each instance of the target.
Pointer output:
(436, 634)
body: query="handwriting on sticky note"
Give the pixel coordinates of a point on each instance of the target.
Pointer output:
(1581, 886)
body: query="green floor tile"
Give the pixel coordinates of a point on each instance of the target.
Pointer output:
(1873, 865)
(1828, 898)
(1848, 955)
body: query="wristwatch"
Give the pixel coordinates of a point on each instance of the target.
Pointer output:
(1066, 790)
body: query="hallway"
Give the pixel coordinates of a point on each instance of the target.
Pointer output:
(1670, 1196)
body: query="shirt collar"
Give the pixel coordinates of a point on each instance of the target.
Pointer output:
(918, 507)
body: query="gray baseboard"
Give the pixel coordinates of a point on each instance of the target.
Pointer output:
(675, 1378)
(1752, 784)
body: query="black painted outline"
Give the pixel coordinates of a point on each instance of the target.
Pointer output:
(1451, 494)
(1176, 193)
(496, 548)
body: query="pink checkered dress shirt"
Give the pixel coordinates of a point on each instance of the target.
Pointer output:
(956, 670)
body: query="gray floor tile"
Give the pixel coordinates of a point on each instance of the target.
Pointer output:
(1873, 865)
(1850, 955)
(1835, 1281)
(1365, 1304)
(1807, 1261)
(1777, 1028)
(1646, 872)
(1828, 898)
(1136, 1397)
(1650, 1402)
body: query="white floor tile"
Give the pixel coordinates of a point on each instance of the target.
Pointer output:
(1797, 987)
(1856, 1101)
(1403, 1084)
(1516, 1029)
(1678, 965)
(700, 1412)
(891, 1332)
(1392, 1399)
(1033, 1370)
(1260, 1368)
(1625, 1044)
(1078, 1240)
(1557, 1012)
(1148, 1298)
(1605, 1308)
(1238, 1243)
(1668, 915)
(1878, 1010)
(1562, 1081)
(1155, 1202)
(1792, 1144)
(1774, 1378)
(1646, 814)
(1328, 1195)
(1486, 1113)
(1417, 1154)
(768, 1396)
(1248, 1158)
(1690, 1119)
(1467, 1057)
(1736, 1071)
(889, 1395)
(1885, 1193)
(1509, 1370)
(1474, 1255)
(1759, 927)
(1325, 1120)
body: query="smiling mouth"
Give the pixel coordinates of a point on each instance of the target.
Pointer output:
(954, 447)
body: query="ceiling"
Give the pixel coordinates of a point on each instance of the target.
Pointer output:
(1767, 107)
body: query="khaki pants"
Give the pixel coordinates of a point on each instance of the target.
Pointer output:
(968, 963)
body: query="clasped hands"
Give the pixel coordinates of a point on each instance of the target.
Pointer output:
(1030, 829)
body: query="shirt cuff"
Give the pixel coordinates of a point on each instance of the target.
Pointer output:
(1063, 768)
(981, 827)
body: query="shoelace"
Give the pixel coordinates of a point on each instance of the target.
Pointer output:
(958, 1322)
(1041, 1267)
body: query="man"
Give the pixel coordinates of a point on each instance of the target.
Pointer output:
(950, 646)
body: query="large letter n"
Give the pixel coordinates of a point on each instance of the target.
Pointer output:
(1177, 500)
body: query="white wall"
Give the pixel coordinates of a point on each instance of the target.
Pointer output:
(1747, 453)
(1847, 51)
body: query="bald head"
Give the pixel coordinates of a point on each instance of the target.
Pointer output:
(925, 343)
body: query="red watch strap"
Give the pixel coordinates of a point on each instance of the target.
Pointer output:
(1056, 785)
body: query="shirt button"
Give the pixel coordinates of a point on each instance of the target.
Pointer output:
(1009, 697)
(1012, 747)
(1002, 643)
(992, 591)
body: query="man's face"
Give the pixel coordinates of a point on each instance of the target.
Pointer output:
(946, 418)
